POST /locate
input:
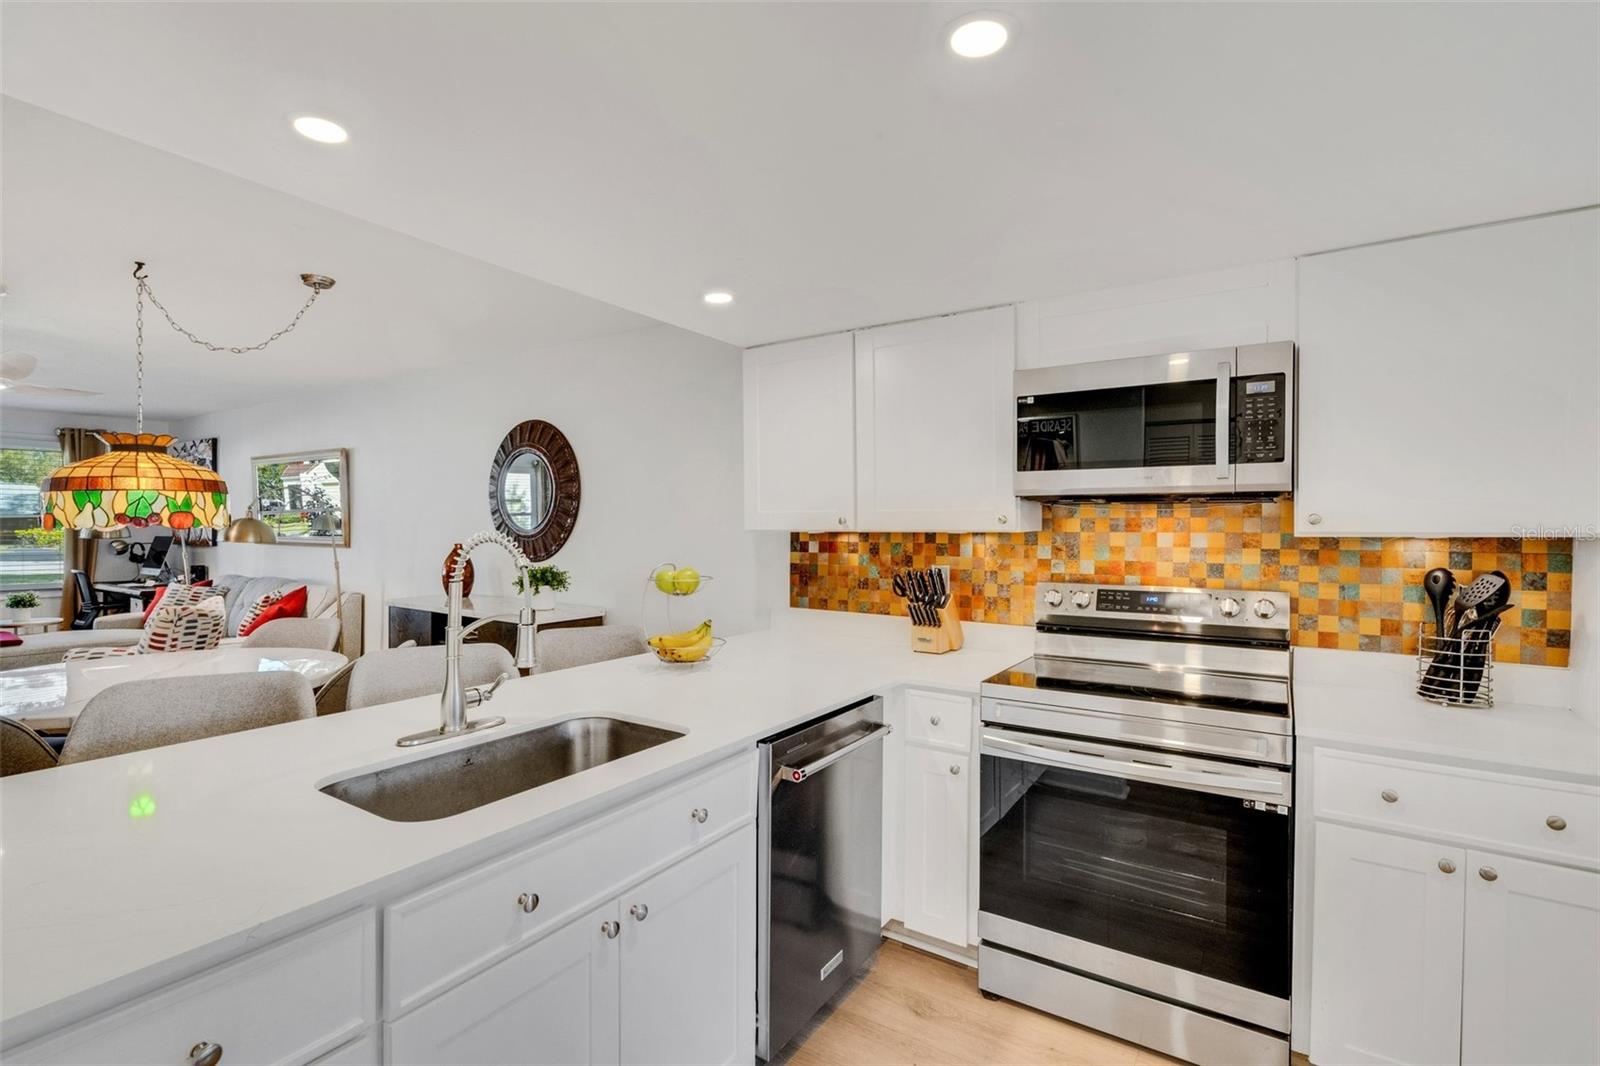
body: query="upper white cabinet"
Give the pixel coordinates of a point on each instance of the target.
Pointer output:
(907, 427)
(936, 425)
(1218, 309)
(1448, 383)
(799, 435)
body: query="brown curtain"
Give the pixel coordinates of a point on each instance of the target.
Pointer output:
(79, 551)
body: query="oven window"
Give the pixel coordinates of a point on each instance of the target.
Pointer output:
(1173, 423)
(1188, 879)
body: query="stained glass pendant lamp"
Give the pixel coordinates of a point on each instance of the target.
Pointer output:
(137, 483)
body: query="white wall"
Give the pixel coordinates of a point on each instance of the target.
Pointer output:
(653, 415)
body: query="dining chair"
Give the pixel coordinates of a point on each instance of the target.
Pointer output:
(136, 715)
(333, 694)
(562, 649)
(318, 633)
(401, 673)
(22, 750)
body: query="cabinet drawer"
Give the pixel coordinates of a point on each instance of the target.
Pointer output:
(440, 934)
(939, 718)
(288, 1003)
(1426, 799)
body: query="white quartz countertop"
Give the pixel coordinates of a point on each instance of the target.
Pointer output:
(1363, 700)
(236, 844)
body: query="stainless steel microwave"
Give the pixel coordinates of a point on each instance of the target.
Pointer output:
(1209, 422)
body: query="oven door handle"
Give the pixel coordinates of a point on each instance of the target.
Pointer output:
(1040, 750)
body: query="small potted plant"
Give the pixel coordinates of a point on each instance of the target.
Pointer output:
(545, 581)
(21, 604)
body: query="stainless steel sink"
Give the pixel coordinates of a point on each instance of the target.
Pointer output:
(456, 781)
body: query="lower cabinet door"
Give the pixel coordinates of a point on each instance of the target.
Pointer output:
(1386, 949)
(1532, 963)
(937, 812)
(553, 1002)
(689, 959)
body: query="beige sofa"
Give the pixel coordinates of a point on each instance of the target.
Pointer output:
(122, 630)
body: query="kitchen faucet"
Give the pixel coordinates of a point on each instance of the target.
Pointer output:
(455, 700)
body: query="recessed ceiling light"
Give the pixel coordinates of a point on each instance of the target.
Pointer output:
(977, 38)
(718, 298)
(320, 130)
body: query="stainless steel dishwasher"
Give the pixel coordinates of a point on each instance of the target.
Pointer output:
(820, 868)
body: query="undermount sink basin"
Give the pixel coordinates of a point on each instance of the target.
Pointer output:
(459, 780)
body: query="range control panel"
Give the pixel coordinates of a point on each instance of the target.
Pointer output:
(1256, 608)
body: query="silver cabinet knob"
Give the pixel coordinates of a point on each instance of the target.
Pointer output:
(933, 719)
(1446, 866)
(842, 520)
(700, 814)
(639, 911)
(1314, 519)
(1488, 873)
(1390, 795)
(1556, 822)
(1002, 519)
(954, 769)
(529, 902)
(611, 929)
(205, 1053)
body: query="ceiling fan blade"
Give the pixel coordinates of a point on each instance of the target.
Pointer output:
(46, 390)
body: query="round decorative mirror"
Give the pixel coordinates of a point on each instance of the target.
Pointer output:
(534, 488)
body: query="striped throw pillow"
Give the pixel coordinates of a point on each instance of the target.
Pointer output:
(194, 627)
(180, 595)
(253, 613)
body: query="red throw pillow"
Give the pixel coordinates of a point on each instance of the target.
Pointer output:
(9, 640)
(161, 590)
(291, 604)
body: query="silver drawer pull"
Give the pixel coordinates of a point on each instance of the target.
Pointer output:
(1446, 866)
(205, 1053)
(1556, 822)
(700, 814)
(639, 911)
(529, 902)
(1390, 795)
(933, 720)
(1488, 873)
(611, 929)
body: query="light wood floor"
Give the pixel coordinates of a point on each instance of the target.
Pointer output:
(913, 1007)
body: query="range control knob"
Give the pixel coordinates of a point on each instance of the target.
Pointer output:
(1265, 608)
(1052, 597)
(1081, 600)
(1228, 607)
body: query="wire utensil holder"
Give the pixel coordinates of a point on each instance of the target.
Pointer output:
(1457, 671)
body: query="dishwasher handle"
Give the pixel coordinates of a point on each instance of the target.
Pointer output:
(797, 774)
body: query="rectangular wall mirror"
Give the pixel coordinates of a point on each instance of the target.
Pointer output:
(305, 496)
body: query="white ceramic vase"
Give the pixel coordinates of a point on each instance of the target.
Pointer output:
(544, 598)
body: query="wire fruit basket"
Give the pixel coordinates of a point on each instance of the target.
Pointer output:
(676, 583)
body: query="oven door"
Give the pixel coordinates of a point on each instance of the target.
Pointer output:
(1148, 425)
(1164, 873)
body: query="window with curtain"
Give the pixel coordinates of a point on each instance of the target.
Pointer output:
(30, 557)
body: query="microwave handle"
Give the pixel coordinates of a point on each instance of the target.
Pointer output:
(1224, 421)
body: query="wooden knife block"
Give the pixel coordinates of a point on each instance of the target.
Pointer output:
(936, 640)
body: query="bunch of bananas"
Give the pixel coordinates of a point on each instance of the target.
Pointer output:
(687, 647)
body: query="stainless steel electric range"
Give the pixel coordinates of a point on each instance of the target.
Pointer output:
(1137, 850)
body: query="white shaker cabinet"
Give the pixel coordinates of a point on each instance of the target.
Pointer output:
(1447, 383)
(1532, 982)
(799, 435)
(689, 959)
(1388, 912)
(938, 809)
(554, 1002)
(936, 425)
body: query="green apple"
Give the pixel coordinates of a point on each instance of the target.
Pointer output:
(663, 578)
(685, 581)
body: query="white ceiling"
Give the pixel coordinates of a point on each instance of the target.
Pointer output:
(833, 164)
(225, 255)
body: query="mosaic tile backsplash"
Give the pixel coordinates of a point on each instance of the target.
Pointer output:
(1358, 594)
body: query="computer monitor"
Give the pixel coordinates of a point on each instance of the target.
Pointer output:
(155, 557)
